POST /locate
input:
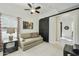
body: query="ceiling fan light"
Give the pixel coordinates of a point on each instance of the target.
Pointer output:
(33, 10)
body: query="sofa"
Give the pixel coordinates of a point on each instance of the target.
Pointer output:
(29, 40)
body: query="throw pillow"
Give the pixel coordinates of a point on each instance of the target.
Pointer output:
(34, 35)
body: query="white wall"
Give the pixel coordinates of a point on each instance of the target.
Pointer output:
(76, 27)
(77, 30)
(67, 20)
(52, 29)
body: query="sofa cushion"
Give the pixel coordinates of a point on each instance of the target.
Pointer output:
(36, 34)
(25, 35)
(31, 40)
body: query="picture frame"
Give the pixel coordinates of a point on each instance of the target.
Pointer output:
(27, 25)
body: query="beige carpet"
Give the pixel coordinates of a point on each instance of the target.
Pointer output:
(43, 49)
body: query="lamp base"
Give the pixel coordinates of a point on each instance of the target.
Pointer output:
(10, 38)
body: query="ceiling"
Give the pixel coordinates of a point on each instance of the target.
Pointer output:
(47, 9)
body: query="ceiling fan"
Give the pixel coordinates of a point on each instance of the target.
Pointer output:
(32, 9)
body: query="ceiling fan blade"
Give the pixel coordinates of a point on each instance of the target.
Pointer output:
(37, 11)
(38, 7)
(29, 5)
(26, 9)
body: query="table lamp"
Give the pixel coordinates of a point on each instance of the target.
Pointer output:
(10, 31)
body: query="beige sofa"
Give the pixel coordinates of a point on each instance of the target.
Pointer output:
(28, 40)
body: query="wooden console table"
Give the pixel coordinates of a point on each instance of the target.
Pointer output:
(10, 46)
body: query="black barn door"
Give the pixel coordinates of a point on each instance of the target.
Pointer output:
(44, 28)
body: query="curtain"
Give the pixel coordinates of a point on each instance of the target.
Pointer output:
(18, 29)
(0, 34)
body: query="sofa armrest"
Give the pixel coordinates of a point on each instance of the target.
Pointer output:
(21, 43)
(21, 39)
(41, 36)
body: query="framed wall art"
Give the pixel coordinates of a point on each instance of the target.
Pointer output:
(27, 25)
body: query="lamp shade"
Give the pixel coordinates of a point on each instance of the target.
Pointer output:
(10, 30)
